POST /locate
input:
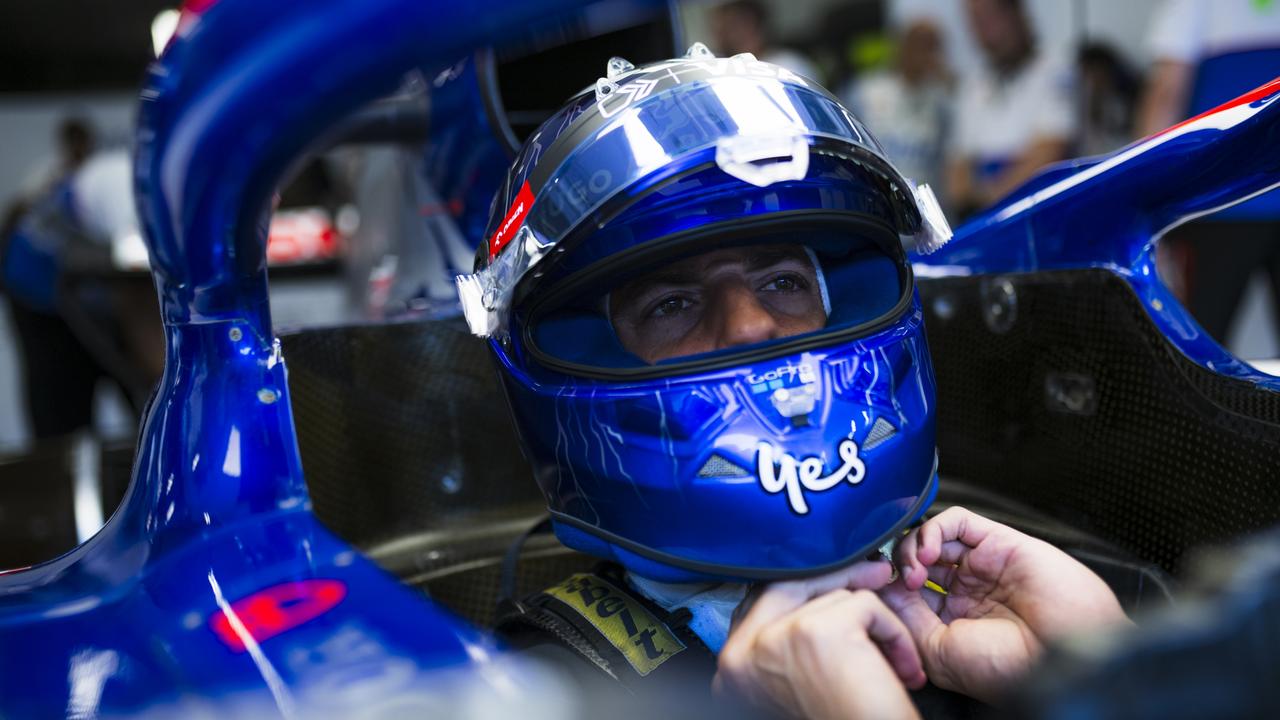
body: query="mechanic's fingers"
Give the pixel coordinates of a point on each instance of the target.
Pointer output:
(777, 599)
(920, 619)
(843, 654)
(867, 575)
(894, 639)
(907, 557)
(942, 574)
(957, 523)
(930, 539)
(732, 683)
(913, 608)
(828, 629)
(767, 604)
(950, 556)
(944, 538)
(951, 553)
(755, 662)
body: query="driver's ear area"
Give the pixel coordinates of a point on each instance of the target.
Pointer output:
(862, 286)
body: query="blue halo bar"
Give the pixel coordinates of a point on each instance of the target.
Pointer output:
(217, 522)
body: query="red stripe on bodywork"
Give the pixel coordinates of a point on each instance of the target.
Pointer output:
(1251, 96)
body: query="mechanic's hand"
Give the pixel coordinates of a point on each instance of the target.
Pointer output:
(824, 647)
(1008, 593)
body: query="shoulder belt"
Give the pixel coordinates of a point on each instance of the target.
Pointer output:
(598, 616)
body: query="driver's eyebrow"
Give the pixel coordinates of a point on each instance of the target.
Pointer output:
(684, 273)
(765, 258)
(759, 259)
(679, 275)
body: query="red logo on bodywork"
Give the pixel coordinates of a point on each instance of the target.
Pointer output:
(274, 610)
(511, 222)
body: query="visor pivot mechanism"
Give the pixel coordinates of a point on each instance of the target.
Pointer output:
(604, 88)
(617, 67)
(699, 51)
(937, 230)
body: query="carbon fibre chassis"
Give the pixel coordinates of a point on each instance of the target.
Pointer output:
(1165, 454)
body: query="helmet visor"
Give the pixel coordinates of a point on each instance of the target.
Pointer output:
(719, 294)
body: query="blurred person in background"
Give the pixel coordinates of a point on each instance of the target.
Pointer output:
(742, 26)
(909, 103)
(75, 144)
(1014, 115)
(1206, 54)
(1109, 89)
(75, 141)
(58, 373)
(852, 39)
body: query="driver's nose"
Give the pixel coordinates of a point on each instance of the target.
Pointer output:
(741, 318)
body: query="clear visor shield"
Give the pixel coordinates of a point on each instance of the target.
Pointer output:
(743, 297)
(757, 122)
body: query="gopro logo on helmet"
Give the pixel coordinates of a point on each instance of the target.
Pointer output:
(775, 378)
(779, 471)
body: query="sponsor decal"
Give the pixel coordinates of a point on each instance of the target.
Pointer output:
(642, 639)
(275, 610)
(781, 377)
(512, 221)
(615, 102)
(778, 471)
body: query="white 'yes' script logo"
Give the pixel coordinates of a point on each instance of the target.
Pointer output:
(780, 471)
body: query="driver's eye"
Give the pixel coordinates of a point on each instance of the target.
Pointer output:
(670, 306)
(785, 283)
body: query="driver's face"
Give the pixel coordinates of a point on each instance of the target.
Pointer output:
(720, 299)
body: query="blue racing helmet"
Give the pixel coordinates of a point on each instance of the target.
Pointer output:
(773, 459)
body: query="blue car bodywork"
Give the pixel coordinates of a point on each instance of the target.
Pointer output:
(213, 588)
(213, 582)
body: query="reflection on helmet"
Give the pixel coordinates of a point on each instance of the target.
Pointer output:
(786, 453)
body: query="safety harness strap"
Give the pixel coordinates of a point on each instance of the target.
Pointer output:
(599, 617)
